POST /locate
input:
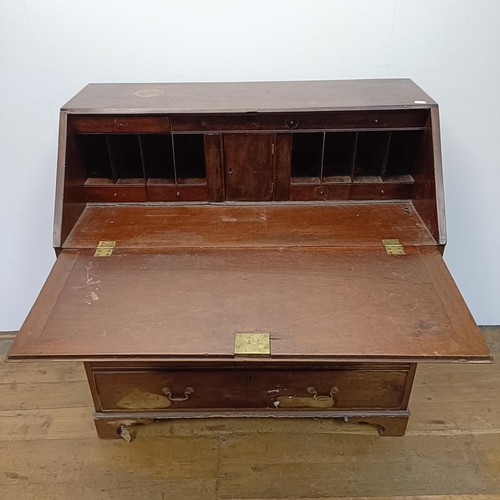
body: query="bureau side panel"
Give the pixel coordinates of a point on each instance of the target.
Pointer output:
(70, 195)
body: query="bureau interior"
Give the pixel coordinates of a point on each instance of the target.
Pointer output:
(381, 156)
(317, 157)
(173, 158)
(354, 156)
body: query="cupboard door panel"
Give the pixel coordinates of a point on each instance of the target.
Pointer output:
(248, 167)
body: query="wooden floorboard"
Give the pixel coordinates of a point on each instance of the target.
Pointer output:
(49, 450)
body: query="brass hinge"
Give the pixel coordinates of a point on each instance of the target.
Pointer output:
(104, 248)
(393, 247)
(252, 344)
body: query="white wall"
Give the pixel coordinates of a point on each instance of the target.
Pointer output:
(50, 49)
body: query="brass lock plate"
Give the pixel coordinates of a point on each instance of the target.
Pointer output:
(252, 344)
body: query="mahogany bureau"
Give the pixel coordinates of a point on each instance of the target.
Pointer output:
(250, 250)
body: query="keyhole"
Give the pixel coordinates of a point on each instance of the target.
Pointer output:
(229, 170)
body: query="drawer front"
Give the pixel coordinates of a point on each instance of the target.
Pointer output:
(233, 123)
(115, 193)
(177, 390)
(301, 121)
(120, 124)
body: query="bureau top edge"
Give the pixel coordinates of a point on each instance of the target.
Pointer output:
(257, 97)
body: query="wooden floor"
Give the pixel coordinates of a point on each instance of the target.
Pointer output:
(49, 450)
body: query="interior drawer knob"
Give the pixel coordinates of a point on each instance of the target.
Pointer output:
(120, 123)
(321, 192)
(292, 123)
(187, 392)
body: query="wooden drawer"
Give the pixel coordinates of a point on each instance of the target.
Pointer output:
(123, 191)
(225, 389)
(233, 122)
(301, 121)
(120, 124)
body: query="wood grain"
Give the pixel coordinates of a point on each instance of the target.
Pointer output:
(428, 193)
(282, 166)
(120, 125)
(188, 487)
(70, 196)
(250, 226)
(41, 310)
(26, 372)
(23, 396)
(80, 460)
(248, 167)
(355, 465)
(450, 452)
(300, 120)
(214, 167)
(244, 97)
(363, 305)
(251, 389)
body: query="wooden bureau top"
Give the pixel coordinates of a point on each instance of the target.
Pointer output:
(138, 98)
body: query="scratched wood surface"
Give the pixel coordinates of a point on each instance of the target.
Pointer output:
(252, 226)
(243, 97)
(362, 305)
(451, 451)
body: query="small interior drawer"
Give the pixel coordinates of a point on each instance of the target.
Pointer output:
(225, 389)
(120, 124)
(376, 119)
(233, 122)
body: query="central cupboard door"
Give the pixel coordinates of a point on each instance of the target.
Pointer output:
(248, 167)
